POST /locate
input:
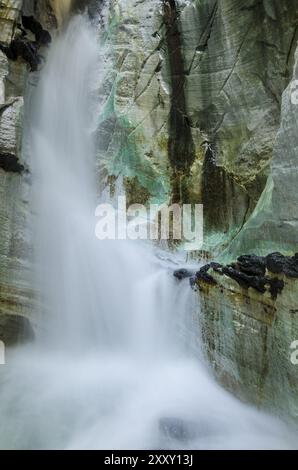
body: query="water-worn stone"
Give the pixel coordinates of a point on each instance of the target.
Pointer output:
(182, 274)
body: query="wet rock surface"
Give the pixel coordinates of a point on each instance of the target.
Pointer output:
(250, 271)
(42, 36)
(10, 163)
(182, 274)
(280, 264)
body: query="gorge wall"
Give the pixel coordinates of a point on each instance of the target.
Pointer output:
(199, 109)
(196, 107)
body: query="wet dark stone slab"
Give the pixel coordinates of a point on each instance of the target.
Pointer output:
(182, 274)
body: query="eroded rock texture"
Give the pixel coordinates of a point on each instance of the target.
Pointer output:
(189, 72)
(249, 322)
(20, 27)
(197, 106)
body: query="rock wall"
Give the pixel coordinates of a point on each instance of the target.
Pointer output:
(249, 323)
(16, 293)
(189, 72)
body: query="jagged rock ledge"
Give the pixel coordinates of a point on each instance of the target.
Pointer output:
(258, 272)
(248, 321)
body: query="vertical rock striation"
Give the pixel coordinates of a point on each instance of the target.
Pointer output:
(20, 28)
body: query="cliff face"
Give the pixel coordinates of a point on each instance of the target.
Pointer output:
(17, 57)
(197, 107)
(185, 72)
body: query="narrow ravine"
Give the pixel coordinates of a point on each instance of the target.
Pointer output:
(113, 364)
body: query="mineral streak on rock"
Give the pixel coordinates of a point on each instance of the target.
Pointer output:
(181, 150)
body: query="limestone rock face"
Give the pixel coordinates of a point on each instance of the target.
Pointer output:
(189, 71)
(16, 295)
(9, 13)
(274, 221)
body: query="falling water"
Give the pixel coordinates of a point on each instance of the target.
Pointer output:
(108, 369)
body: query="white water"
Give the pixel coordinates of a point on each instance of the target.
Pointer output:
(108, 366)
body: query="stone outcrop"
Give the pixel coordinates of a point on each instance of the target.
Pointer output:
(249, 322)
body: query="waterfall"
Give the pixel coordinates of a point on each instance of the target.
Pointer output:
(61, 9)
(108, 369)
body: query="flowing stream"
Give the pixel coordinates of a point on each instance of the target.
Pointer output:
(112, 365)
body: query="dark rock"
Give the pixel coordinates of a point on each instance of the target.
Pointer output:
(182, 274)
(252, 265)
(250, 270)
(244, 280)
(10, 163)
(178, 429)
(280, 264)
(15, 329)
(258, 283)
(42, 36)
(203, 275)
(276, 287)
(275, 263)
(22, 47)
